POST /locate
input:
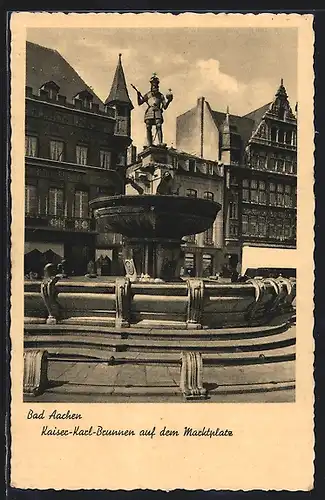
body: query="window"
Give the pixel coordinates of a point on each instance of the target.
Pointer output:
(121, 159)
(191, 193)
(31, 144)
(57, 150)
(208, 195)
(189, 264)
(207, 265)
(272, 194)
(210, 169)
(288, 137)
(280, 167)
(192, 165)
(287, 196)
(204, 168)
(279, 229)
(245, 190)
(254, 192)
(253, 229)
(81, 204)
(287, 229)
(271, 163)
(280, 197)
(105, 159)
(281, 136)
(208, 236)
(51, 88)
(273, 134)
(244, 224)
(81, 155)
(31, 200)
(262, 226)
(289, 166)
(233, 205)
(233, 229)
(56, 203)
(261, 192)
(271, 229)
(261, 161)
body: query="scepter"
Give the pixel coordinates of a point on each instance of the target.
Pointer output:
(137, 91)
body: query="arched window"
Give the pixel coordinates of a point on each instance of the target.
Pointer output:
(51, 88)
(208, 195)
(191, 193)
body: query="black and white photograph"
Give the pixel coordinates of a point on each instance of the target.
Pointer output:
(160, 215)
(162, 251)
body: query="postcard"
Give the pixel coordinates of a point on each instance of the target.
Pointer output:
(162, 251)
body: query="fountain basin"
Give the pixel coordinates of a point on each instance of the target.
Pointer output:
(155, 216)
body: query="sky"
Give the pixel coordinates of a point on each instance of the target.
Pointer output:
(239, 67)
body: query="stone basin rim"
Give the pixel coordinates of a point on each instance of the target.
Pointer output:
(152, 199)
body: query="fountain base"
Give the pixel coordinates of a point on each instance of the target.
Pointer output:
(154, 260)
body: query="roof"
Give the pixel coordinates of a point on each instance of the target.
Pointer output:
(243, 124)
(258, 114)
(44, 65)
(119, 92)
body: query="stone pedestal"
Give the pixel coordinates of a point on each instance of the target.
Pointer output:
(191, 383)
(158, 259)
(35, 371)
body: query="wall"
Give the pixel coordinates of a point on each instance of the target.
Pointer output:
(188, 132)
(210, 136)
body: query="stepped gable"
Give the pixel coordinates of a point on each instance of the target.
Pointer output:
(44, 65)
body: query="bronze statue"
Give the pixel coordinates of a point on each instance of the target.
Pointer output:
(156, 103)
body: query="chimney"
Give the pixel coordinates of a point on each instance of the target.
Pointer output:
(200, 105)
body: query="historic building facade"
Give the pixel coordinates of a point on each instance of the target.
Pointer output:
(75, 150)
(259, 155)
(190, 176)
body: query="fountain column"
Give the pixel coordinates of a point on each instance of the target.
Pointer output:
(153, 218)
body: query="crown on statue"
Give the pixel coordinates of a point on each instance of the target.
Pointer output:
(154, 79)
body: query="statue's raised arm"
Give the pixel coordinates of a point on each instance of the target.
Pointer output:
(156, 103)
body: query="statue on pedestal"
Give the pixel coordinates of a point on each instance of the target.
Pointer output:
(156, 103)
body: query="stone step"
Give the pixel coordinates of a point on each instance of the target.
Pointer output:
(268, 342)
(154, 332)
(110, 356)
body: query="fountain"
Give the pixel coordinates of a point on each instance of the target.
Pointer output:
(152, 316)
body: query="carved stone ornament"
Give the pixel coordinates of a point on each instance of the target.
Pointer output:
(278, 293)
(259, 293)
(130, 269)
(122, 302)
(195, 303)
(49, 293)
(191, 383)
(35, 371)
(291, 289)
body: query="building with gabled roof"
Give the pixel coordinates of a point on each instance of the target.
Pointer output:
(75, 150)
(259, 154)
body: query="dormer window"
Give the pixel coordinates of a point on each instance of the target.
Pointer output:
(51, 88)
(86, 98)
